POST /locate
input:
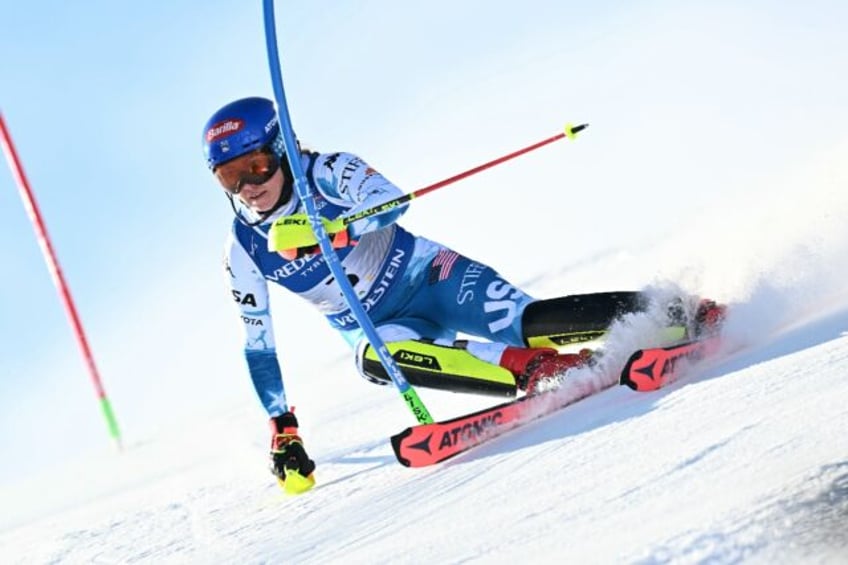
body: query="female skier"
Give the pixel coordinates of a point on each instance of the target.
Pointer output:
(418, 293)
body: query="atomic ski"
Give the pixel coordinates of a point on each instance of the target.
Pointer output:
(651, 369)
(428, 444)
(645, 370)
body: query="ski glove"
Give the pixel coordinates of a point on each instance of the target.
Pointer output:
(287, 451)
(292, 236)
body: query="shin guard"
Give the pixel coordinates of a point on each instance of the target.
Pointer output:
(577, 318)
(441, 367)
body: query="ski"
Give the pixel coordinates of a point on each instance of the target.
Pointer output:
(651, 369)
(428, 444)
(646, 370)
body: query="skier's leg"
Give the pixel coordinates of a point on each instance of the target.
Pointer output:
(445, 367)
(454, 292)
(463, 366)
(579, 318)
(576, 318)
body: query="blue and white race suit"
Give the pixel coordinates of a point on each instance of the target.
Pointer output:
(410, 286)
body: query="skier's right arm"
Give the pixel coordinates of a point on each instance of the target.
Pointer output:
(249, 290)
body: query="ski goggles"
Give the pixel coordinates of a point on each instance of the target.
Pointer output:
(256, 167)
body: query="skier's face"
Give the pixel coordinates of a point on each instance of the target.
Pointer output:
(262, 197)
(256, 178)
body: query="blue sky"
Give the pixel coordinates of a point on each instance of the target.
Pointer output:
(106, 103)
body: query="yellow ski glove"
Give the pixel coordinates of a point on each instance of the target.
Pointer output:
(292, 236)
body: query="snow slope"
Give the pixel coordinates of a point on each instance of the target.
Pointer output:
(746, 460)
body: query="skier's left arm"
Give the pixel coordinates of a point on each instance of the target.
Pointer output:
(353, 183)
(347, 181)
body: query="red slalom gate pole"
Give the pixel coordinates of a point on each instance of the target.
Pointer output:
(58, 279)
(570, 132)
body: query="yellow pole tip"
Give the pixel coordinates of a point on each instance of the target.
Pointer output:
(569, 131)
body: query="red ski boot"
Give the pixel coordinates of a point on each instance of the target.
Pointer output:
(537, 369)
(709, 317)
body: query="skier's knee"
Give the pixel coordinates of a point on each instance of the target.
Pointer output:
(368, 370)
(444, 367)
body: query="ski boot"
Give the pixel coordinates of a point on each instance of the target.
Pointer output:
(540, 369)
(709, 318)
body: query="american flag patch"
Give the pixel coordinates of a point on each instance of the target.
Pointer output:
(441, 266)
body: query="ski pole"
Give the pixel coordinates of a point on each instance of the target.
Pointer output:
(410, 396)
(58, 278)
(570, 132)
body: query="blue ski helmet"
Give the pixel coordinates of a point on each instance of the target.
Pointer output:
(238, 128)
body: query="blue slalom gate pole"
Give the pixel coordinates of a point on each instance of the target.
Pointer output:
(304, 191)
